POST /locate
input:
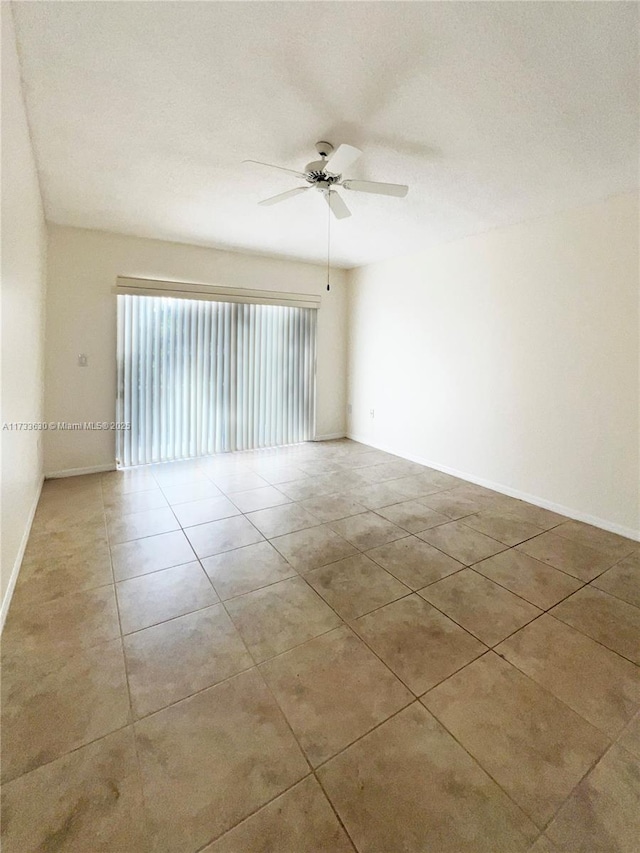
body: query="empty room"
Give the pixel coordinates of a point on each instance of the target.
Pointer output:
(320, 459)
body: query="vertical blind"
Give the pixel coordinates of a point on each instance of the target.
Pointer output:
(200, 377)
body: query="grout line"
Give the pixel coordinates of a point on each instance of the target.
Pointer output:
(609, 593)
(544, 687)
(71, 751)
(253, 813)
(476, 761)
(335, 811)
(590, 637)
(589, 770)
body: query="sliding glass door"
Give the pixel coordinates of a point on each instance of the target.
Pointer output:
(198, 377)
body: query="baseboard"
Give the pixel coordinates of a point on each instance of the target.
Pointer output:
(570, 512)
(330, 436)
(77, 472)
(6, 601)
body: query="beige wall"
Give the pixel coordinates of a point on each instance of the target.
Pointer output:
(22, 309)
(512, 359)
(81, 318)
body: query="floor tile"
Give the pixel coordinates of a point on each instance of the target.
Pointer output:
(560, 659)
(445, 481)
(600, 540)
(224, 535)
(414, 562)
(487, 498)
(311, 487)
(141, 524)
(412, 516)
(416, 486)
(534, 746)
(532, 580)
(622, 580)
(332, 507)
(279, 617)
(367, 530)
(129, 481)
(503, 527)
(168, 474)
(71, 537)
(278, 474)
(50, 709)
(609, 620)
(338, 481)
(226, 464)
(452, 506)
(569, 556)
(89, 800)
(246, 569)
(487, 610)
(212, 760)
(151, 554)
(255, 499)
(365, 457)
(241, 481)
(392, 470)
(630, 737)
(543, 845)
(62, 626)
(59, 513)
(117, 504)
(190, 492)
(156, 597)
(59, 535)
(174, 659)
(461, 542)
(417, 642)
(603, 813)
(534, 514)
(333, 690)
(409, 786)
(222, 767)
(60, 563)
(355, 586)
(291, 823)
(209, 509)
(280, 520)
(376, 495)
(309, 549)
(318, 468)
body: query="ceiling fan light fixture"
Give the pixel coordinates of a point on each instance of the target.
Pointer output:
(326, 176)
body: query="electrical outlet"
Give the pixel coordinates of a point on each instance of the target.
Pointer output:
(372, 413)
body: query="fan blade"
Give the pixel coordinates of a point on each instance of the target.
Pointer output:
(276, 199)
(399, 190)
(271, 166)
(342, 158)
(337, 205)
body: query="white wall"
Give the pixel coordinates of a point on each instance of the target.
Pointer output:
(512, 358)
(81, 318)
(22, 308)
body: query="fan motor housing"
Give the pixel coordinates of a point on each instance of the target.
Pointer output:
(319, 176)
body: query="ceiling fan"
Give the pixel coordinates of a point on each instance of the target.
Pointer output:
(326, 174)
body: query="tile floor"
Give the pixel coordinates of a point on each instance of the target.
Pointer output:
(318, 649)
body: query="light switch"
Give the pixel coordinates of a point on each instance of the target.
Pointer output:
(83, 361)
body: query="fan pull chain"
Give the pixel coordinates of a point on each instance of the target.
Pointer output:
(328, 240)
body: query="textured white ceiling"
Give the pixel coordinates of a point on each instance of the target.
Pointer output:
(492, 112)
